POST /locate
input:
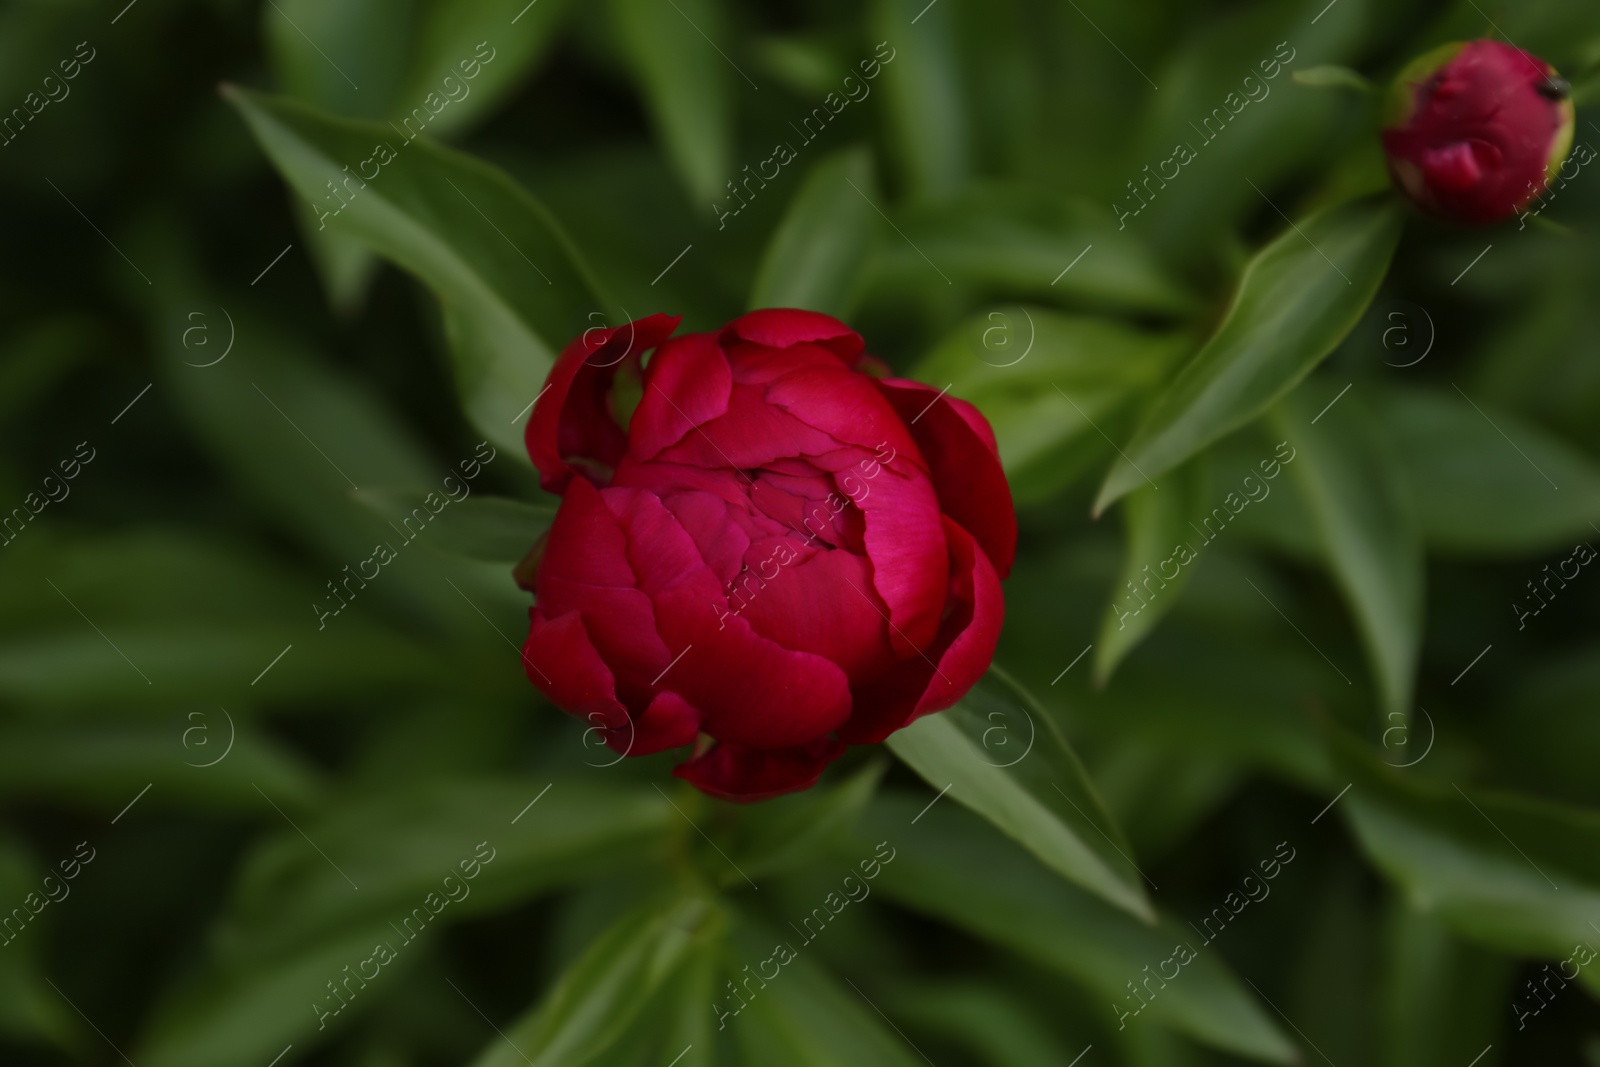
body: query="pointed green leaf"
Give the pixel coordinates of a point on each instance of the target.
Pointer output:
(1297, 300)
(489, 528)
(394, 60)
(1519, 874)
(1000, 754)
(29, 1010)
(344, 57)
(1443, 999)
(239, 1016)
(602, 995)
(512, 287)
(380, 59)
(1346, 472)
(204, 760)
(922, 81)
(1158, 530)
(807, 1018)
(678, 51)
(819, 254)
(489, 48)
(397, 846)
(1487, 482)
(1045, 381)
(952, 868)
(1031, 243)
(790, 832)
(986, 1019)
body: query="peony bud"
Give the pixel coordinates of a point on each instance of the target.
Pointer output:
(775, 550)
(1475, 130)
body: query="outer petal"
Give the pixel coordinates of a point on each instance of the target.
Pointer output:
(959, 446)
(905, 543)
(686, 386)
(963, 651)
(808, 605)
(734, 772)
(564, 666)
(585, 543)
(751, 433)
(571, 420)
(585, 569)
(847, 407)
(782, 327)
(751, 690)
(669, 722)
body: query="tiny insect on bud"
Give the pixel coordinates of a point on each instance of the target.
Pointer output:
(1553, 88)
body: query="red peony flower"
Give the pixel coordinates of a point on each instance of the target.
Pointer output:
(774, 549)
(1475, 130)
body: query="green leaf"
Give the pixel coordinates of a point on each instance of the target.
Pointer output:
(197, 621)
(1486, 482)
(1297, 300)
(488, 528)
(1018, 772)
(1346, 472)
(28, 1012)
(922, 84)
(1266, 131)
(1518, 874)
(1442, 999)
(818, 256)
(296, 918)
(245, 1015)
(673, 50)
(1157, 526)
(512, 287)
(192, 662)
(346, 57)
(380, 59)
(1045, 381)
(504, 41)
(108, 765)
(987, 1021)
(1032, 243)
(788, 832)
(688, 1022)
(398, 846)
(807, 1018)
(952, 868)
(601, 995)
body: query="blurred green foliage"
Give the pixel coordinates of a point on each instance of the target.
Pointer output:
(281, 316)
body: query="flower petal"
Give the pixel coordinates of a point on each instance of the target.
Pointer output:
(686, 386)
(734, 772)
(847, 407)
(571, 420)
(807, 605)
(585, 542)
(751, 690)
(750, 433)
(562, 664)
(905, 543)
(963, 651)
(782, 327)
(669, 722)
(959, 445)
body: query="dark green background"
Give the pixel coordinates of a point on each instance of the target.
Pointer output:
(1291, 664)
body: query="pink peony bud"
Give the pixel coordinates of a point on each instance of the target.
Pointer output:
(1475, 130)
